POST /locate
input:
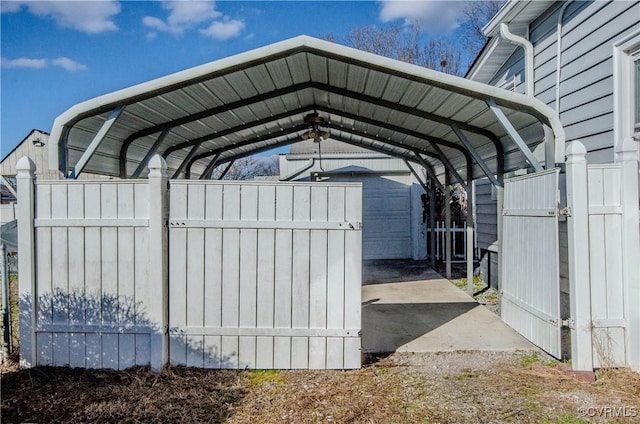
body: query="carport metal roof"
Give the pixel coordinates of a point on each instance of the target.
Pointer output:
(233, 107)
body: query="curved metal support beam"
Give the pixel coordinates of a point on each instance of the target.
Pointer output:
(430, 170)
(298, 87)
(296, 139)
(201, 115)
(226, 169)
(434, 142)
(259, 139)
(224, 133)
(414, 157)
(438, 155)
(208, 171)
(476, 156)
(184, 162)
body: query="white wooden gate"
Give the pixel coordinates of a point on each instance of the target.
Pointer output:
(265, 275)
(530, 290)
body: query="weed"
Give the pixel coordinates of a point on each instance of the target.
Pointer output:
(478, 283)
(466, 373)
(565, 419)
(534, 358)
(529, 360)
(259, 377)
(530, 400)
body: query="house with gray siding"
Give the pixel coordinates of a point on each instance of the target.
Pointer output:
(581, 58)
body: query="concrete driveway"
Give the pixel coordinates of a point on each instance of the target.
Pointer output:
(408, 307)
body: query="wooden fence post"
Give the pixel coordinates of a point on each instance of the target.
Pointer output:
(25, 176)
(627, 156)
(579, 272)
(158, 261)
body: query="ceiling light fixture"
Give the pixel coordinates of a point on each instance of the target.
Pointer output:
(315, 133)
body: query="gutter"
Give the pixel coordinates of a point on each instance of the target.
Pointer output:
(559, 53)
(528, 55)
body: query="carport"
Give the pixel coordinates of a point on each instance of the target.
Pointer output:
(208, 116)
(211, 115)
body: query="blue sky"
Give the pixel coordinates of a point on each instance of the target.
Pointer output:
(59, 53)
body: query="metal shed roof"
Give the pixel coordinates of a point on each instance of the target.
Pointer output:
(257, 100)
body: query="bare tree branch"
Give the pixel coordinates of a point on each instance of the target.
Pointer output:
(405, 43)
(249, 168)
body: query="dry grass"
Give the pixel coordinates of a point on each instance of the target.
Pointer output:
(458, 387)
(48, 395)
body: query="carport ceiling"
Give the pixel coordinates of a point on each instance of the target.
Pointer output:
(257, 100)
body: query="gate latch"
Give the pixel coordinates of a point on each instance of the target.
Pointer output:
(565, 211)
(569, 323)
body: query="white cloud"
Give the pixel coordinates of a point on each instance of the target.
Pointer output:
(91, 17)
(155, 23)
(183, 15)
(10, 6)
(224, 30)
(68, 64)
(433, 15)
(24, 62)
(62, 62)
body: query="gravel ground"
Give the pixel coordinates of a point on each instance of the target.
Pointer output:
(452, 387)
(457, 387)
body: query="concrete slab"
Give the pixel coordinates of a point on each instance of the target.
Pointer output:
(416, 310)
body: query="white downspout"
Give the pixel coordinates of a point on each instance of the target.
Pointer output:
(307, 165)
(528, 55)
(559, 53)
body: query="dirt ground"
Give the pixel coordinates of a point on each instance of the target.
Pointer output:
(459, 387)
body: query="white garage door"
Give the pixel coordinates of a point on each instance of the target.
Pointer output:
(386, 215)
(386, 208)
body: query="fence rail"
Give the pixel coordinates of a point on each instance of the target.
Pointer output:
(458, 242)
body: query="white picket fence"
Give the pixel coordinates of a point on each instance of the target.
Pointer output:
(458, 242)
(262, 275)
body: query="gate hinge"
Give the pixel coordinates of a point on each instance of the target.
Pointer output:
(565, 211)
(569, 323)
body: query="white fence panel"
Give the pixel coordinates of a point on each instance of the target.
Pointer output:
(265, 275)
(261, 275)
(608, 320)
(92, 286)
(530, 295)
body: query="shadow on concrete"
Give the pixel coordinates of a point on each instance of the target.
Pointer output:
(386, 327)
(396, 271)
(408, 307)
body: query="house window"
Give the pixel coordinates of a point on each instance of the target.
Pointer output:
(626, 92)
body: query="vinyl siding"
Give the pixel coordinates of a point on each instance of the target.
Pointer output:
(486, 214)
(586, 101)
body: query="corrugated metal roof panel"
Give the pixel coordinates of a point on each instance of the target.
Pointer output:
(233, 103)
